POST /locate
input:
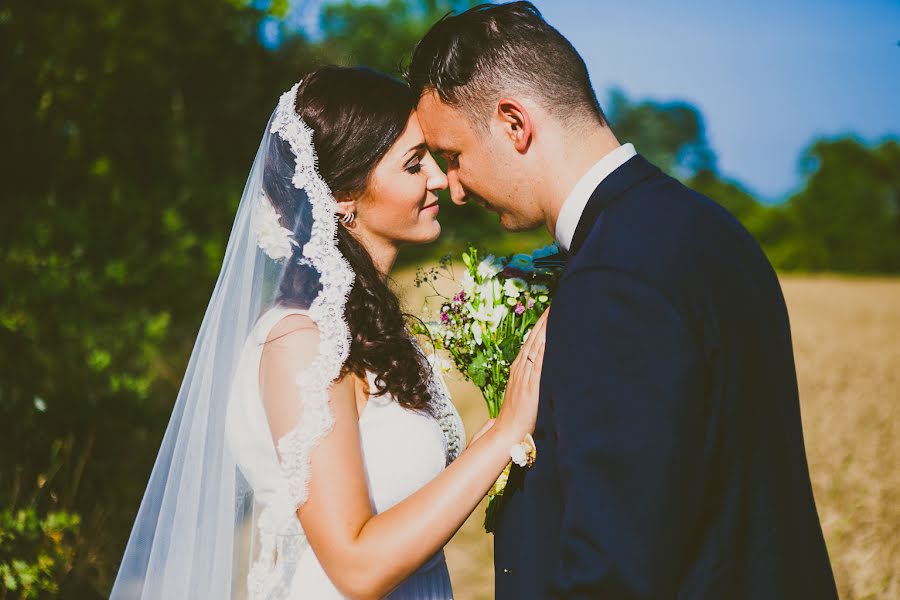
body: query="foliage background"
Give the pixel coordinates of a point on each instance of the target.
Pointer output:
(129, 128)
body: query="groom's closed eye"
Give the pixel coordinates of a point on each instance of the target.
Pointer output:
(445, 154)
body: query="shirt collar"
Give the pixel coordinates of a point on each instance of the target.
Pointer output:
(571, 210)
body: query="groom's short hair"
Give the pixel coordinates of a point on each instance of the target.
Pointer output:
(472, 58)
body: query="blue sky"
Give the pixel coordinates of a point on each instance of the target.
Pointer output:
(769, 77)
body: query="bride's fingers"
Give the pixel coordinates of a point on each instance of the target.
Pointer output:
(538, 335)
(543, 319)
(534, 335)
(524, 363)
(538, 331)
(535, 373)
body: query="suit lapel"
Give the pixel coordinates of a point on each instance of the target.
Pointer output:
(635, 170)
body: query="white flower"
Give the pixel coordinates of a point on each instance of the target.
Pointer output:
(272, 238)
(489, 292)
(468, 283)
(525, 452)
(488, 267)
(499, 313)
(439, 362)
(538, 288)
(490, 316)
(476, 332)
(519, 455)
(513, 287)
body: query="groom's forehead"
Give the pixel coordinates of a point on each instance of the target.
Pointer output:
(432, 110)
(441, 123)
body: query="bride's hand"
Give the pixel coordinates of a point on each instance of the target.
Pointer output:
(519, 411)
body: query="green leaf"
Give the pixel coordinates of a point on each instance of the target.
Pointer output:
(509, 347)
(477, 370)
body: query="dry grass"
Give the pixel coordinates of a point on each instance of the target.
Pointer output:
(847, 348)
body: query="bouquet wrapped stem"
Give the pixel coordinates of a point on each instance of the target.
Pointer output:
(484, 324)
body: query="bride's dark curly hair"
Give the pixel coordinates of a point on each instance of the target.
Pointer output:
(356, 115)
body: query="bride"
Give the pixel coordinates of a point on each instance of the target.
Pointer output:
(312, 450)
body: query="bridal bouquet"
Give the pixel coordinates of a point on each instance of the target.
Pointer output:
(484, 323)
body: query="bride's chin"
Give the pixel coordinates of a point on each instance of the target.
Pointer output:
(436, 233)
(432, 233)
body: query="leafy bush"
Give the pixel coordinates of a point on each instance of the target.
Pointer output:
(35, 551)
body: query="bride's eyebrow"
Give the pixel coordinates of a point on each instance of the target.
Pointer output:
(416, 149)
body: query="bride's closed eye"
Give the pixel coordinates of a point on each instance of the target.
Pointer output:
(414, 167)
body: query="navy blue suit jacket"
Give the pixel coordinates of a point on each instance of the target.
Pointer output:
(670, 456)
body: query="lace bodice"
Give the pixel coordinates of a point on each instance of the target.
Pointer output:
(402, 451)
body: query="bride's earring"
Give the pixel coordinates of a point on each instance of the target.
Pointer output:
(347, 218)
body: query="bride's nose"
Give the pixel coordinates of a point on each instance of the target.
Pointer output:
(437, 180)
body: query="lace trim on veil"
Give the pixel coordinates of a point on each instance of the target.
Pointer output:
(280, 533)
(266, 578)
(445, 411)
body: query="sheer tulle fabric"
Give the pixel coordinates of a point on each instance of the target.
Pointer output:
(205, 528)
(402, 451)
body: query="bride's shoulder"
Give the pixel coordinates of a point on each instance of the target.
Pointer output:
(292, 324)
(292, 335)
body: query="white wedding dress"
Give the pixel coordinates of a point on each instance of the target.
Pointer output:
(402, 450)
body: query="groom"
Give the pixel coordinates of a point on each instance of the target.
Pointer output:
(670, 456)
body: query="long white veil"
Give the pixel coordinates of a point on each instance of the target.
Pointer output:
(196, 534)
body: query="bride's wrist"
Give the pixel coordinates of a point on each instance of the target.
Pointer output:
(506, 433)
(512, 445)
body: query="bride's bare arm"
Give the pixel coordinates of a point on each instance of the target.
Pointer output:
(367, 555)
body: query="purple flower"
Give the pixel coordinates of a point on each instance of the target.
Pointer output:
(444, 317)
(530, 302)
(510, 272)
(519, 308)
(460, 297)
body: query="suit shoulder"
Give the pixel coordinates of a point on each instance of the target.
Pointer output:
(663, 224)
(677, 240)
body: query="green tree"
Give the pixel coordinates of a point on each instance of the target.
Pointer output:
(381, 36)
(35, 553)
(671, 135)
(847, 217)
(130, 128)
(730, 194)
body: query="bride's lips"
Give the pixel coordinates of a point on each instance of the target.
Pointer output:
(433, 205)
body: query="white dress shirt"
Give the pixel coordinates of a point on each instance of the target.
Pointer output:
(571, 210)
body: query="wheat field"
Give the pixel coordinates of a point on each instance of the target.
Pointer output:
(846, 334)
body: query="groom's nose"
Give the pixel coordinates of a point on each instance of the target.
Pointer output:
(457, 193)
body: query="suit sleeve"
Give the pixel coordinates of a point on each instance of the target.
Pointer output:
(627, 401)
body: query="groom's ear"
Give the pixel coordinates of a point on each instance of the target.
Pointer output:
(516, 121)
